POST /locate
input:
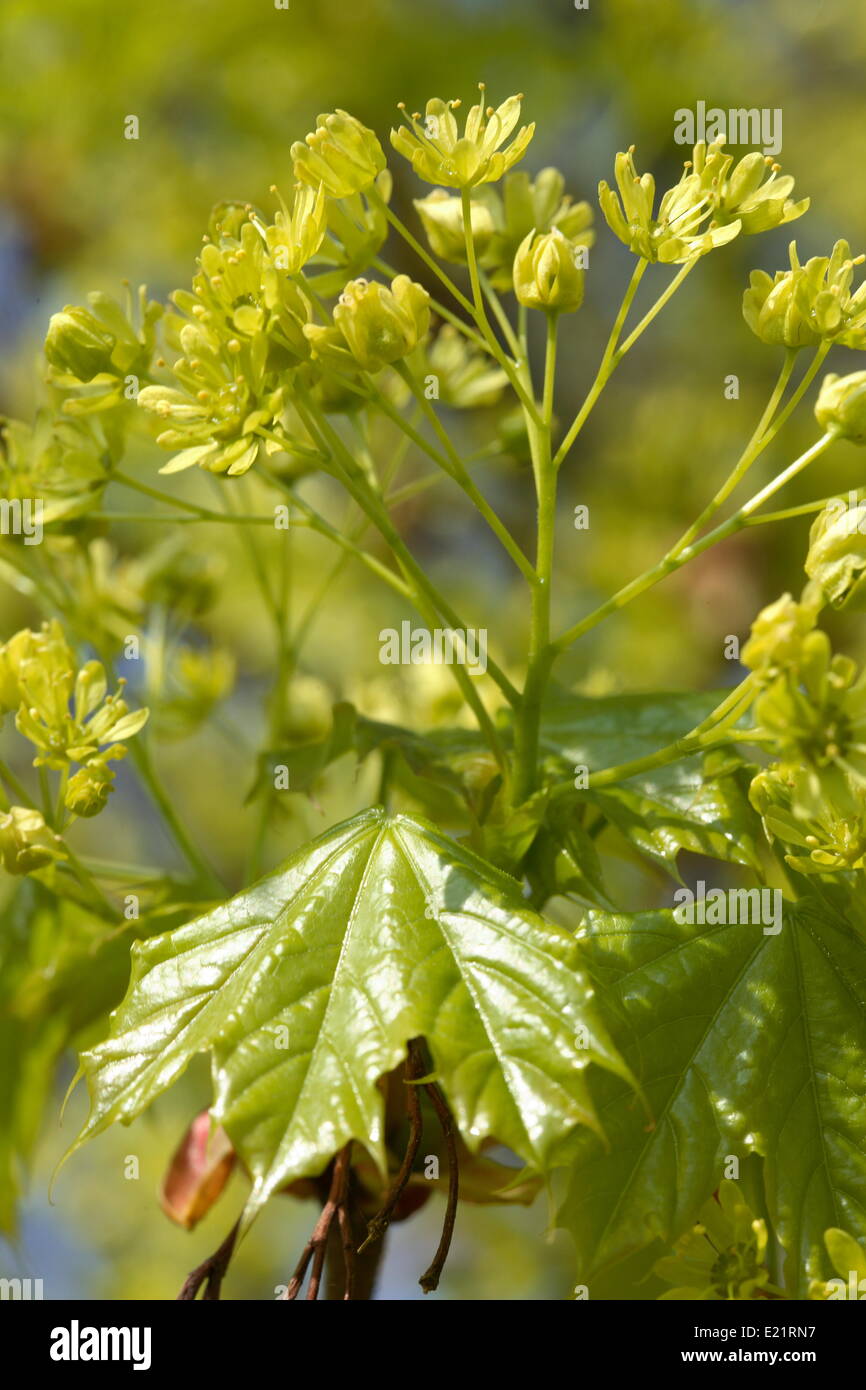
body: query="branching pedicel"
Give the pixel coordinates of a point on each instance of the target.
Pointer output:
(315, 988)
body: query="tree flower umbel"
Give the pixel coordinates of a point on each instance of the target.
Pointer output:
(527, 205)
(809, 303)
(743, 193)
(377, 324)
(841, 406)
(341, 154)
(26, 842)
(442, 216)
(680, 231)
(298, 231)
(99, 355)
(440, 154)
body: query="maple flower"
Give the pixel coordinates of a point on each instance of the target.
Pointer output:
(439, 154)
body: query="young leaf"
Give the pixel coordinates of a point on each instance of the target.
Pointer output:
(682, 805)
(742, 1042)
(307, 987)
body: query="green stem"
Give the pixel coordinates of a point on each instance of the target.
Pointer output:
(426, 596)
(753, 449)
(541, 654)
(400, 227)
(441, 309)
(458, 472)
(712, 732)
(479, 312)
(656, 308)
(203, 871)
(167, 518)
(605, 367)
(317, 523)
(501, 317)
(674, 561)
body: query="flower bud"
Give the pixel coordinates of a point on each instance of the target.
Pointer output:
(545, 274)
(78, 345)
(841, 406)
(442, 216)
(341, 154)
(87, 792)
(382, 325)
(837, 551)
(297, 231)
(26, 843)
(777, 634)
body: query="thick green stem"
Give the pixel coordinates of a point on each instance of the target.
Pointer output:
(541, 654)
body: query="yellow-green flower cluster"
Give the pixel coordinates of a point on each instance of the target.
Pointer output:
(98, 354)
(811, 713)
(753, 192)
(779, 636)
(440, 154)
(26, 842)
(501, 221)
(810, 303)
(820, 817)
(815, 712)
(373, 326)
(711, 204)
(341, 154)
(65, 713)
(841, 406)
(241, 336)
(836, 560)
(679, 231)
(296, 233)
(64, 461)
(546, 275)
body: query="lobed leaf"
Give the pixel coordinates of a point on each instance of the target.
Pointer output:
(742, 1042)
(307, 987)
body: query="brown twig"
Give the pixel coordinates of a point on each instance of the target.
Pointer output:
(379, 1223)
(211, 1272)
(430, 1280)
(316, 1247)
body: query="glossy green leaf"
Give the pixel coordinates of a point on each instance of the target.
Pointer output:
(444, 759)
(694, 804)
(742, 1042)
(306, 988)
